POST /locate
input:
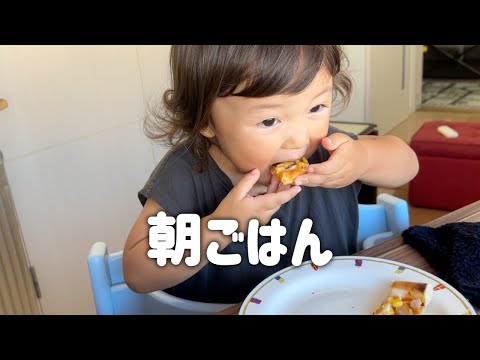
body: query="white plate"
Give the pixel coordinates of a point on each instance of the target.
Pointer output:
(346, 285)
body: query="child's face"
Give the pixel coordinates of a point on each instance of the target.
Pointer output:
(258, 132)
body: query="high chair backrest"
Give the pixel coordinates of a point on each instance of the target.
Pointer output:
(113, 297)
(381, 221)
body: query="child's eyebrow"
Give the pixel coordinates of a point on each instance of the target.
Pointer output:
(324, 91)
(267, 105)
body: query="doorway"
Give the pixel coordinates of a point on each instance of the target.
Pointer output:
(451, 77)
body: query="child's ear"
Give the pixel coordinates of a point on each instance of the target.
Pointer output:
(208, 132)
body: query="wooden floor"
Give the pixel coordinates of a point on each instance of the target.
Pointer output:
(405, 131)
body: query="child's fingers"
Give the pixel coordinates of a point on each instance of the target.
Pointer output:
(274, 200)
(331, 166)
(327, 181)
(273, 186)
(323, 173)
(245, 184)
(282, 187)
(333, 141)
(328, 144)
(317, 172)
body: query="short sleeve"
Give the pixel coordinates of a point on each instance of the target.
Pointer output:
(171, 185)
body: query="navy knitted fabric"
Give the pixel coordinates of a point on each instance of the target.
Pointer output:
(453, 250)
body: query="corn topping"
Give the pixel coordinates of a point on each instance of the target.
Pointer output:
(396, 301)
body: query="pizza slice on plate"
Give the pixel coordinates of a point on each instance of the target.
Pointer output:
(287, 171)
(406, 298)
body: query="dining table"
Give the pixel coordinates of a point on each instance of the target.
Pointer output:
(396, 248)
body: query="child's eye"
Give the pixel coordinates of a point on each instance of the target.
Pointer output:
(269, 122)
(317, 108)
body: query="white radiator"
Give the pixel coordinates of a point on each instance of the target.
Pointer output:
(18, 290)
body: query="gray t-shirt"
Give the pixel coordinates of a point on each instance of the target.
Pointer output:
(179, 188)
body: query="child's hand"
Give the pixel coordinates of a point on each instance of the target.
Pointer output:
(348, 161)
(241, 206)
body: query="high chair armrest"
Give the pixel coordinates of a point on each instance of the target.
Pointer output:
(377, 239)
(396, 212)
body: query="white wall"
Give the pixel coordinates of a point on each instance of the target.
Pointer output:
(76, 155)
(377, 72)
(355, 111)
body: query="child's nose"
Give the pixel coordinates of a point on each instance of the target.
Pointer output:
(298, 138)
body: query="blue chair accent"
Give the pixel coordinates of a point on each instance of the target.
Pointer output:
(377, 223)
(381, 221)
(113, 297)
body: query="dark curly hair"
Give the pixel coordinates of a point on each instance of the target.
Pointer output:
(202, 73)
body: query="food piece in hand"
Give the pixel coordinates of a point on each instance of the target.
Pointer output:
(287, 171)
(406, 298)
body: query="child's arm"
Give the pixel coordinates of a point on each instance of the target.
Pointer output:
(391, 162)
(142, 274)
(385, 161)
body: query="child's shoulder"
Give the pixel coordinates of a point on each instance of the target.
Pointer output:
(177, 165)
(179, 158)
(172, 180)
